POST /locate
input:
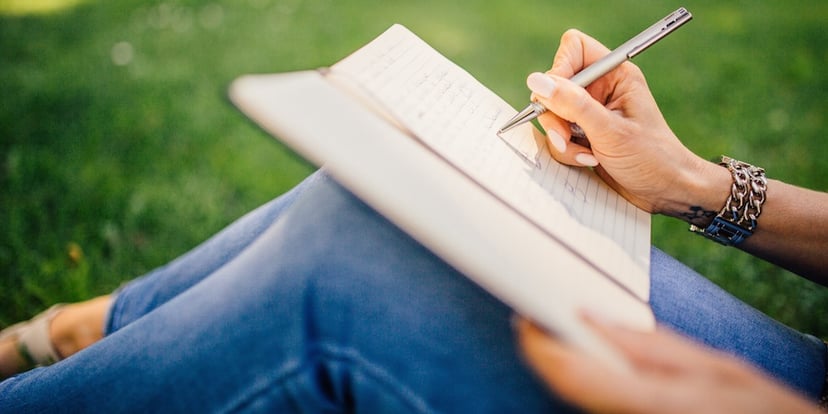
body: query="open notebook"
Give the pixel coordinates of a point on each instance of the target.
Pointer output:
(414, 136)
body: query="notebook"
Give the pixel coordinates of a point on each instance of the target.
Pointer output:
(415, 136)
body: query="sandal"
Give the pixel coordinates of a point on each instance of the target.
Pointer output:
(33, 341)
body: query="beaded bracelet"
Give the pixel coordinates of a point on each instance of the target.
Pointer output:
(737, 220)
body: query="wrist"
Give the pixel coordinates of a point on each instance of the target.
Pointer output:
(702, 189)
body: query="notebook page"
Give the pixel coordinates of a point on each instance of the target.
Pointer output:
(451, 112)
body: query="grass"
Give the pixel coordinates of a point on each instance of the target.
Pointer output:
(119, 150)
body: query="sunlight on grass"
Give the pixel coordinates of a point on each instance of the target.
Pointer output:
(21, 7)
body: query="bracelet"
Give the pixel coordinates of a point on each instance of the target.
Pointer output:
(737, 220)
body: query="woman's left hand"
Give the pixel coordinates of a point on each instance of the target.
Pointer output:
(669, 374)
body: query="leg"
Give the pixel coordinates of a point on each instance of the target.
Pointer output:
(330, 307)
(144, 294)
(691, 304)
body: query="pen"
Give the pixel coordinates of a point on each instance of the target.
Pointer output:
(621, 54)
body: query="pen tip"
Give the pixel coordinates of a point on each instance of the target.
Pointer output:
(509, 125)
(527, 114)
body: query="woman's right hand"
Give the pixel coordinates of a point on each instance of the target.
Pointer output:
(631, 146)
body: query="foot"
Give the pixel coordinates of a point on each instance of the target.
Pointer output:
(79, 325)
(11, 362)
(53, 335)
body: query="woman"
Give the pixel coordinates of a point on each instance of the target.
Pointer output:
(315, 303)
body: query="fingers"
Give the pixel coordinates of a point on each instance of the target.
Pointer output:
(669, 374)
(664, 368)
(566, 102)
(589, 108)
(662, 350)
(575, 52)
(578, 378)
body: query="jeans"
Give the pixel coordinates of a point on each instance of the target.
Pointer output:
(315, 303)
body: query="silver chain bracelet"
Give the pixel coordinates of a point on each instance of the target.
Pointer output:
(737, 220)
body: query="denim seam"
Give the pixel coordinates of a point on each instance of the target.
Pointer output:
(380, 377)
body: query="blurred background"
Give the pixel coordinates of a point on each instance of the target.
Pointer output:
(119, 149)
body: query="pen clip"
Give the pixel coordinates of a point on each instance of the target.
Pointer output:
(657, 31)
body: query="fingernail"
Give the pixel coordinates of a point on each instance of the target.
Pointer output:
(587, 160)
(557, 141)
(541, 84)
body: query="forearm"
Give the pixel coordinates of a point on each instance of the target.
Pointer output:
(792, 231)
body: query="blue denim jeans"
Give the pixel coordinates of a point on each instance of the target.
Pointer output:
(315, 303)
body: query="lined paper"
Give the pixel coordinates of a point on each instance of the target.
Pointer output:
(448, 110)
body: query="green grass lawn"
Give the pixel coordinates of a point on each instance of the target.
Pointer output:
(119, 149)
